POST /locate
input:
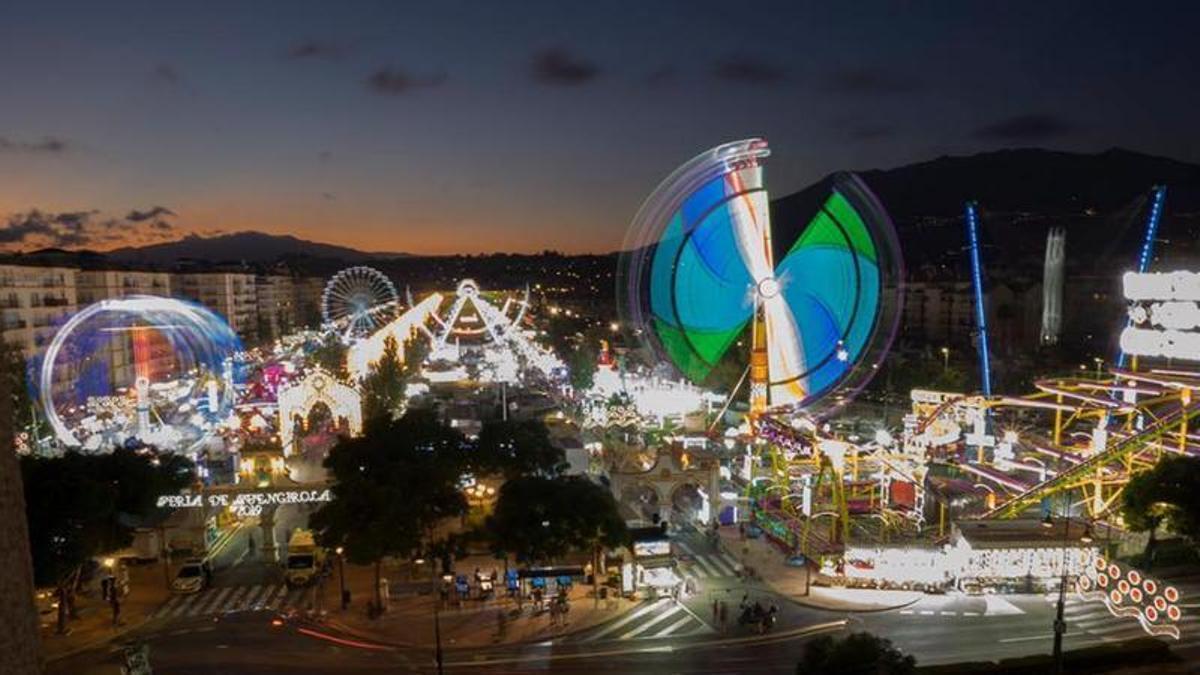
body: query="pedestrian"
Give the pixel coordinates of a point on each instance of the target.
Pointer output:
(501, 625)
(716, 608)
(114, 600)
(724, 617)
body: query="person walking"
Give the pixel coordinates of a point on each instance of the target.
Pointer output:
(716, 608)
(114, 601)
(724, 617)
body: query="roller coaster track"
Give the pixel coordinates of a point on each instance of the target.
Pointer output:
(1069, 476)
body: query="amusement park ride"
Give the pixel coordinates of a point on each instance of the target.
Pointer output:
(701, 272)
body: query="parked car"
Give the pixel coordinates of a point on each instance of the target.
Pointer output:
(192, 577)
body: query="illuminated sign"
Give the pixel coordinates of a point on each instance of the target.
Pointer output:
(1164, 315)
(645, 549)
(246, 503)
(1126, 592)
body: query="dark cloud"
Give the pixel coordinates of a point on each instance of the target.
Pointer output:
(393, 81)
(316, 50)
(748, 70)
(557, 66)
(46, 145)
(1029, 127)
(869, 81)
(165, 74)
(75, 229)
(149, 214)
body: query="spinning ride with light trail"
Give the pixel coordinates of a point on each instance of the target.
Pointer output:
(141, 368)
(358, 301)
(699, 269)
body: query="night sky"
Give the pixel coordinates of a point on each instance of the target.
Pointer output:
(438, 127)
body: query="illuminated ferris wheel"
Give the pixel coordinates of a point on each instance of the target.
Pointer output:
(358, 301)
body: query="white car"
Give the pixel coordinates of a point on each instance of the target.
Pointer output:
(191, 578)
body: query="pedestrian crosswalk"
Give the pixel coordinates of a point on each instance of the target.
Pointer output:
(232, 599)
(1093, 618)
(707, 565)
(661, 618)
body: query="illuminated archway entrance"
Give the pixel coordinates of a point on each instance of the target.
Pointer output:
(318, 387)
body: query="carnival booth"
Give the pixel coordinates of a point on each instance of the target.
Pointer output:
(1017, 555)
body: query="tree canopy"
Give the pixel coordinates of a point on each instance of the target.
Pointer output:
(855, 654)
(383, 387)
(331, 356)
(80, 506)
(517, 448)
(1164, 495)
(540, 519)
(391, 486)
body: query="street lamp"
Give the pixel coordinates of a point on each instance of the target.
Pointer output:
(945, 358)
(342, 576)
(1099, 364)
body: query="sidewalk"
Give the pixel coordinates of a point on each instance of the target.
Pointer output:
(770, 565)
(471, 623)
(147, 591)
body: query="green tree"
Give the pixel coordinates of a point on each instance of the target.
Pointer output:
(1164, 495)
(383, 387)
(540, 519)
(517, 448)
(391, 488)
(13, 370)
(330, 354)
(582, 363)
(855, 654)
(80, 506)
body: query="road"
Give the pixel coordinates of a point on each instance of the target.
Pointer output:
(229, 630)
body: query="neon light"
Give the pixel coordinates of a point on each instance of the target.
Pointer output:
(977, 282)
(1160, 195)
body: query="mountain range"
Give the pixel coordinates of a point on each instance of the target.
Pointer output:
(1021, 193)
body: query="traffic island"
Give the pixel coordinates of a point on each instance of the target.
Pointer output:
(468, 622)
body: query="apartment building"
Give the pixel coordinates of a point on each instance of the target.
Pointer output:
(34, 302)
(277, 301)
(233, 295)
(308, 300)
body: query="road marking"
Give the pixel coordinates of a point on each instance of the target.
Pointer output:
(167, 606)
(926, 612)
(248, 599)
(233, 600)
(965, 613)
(945, 613)
(708, 567)
(650, 624)
(720, 565)
(1040, 636)
(274, 603)
(632, 616)
(185, 606)
(906, 611)
(1000, 607)
(673, 627)
(217, 597)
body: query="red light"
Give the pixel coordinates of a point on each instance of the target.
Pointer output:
(1171, 594)
(277, 621)
(1102, 582)
(1160, 603)
(1135, 595)
(1134, 577)
(1151, 614)
(1150, 586)
(1173, 613)
(1114, 571)
(1115, 597)
(1123, 585)
(1101, 563)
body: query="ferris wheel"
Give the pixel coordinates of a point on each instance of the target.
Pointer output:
(358, 301)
